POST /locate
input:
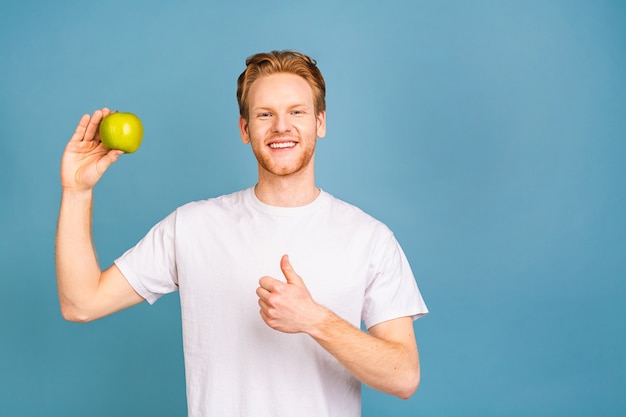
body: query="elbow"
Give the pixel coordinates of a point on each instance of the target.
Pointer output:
(409, 386)
(75, 315)
(76, 311)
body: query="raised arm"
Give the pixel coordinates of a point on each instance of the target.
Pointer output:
(85, 292)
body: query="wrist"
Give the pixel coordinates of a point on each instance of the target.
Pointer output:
(322, 320)
(76, 195)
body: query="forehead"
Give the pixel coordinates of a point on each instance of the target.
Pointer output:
(280, 89)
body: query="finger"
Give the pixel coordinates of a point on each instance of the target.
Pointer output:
(264, 306)
(270, 284)
(79, 133)
(265, 317)
(92, 127)
(105, 112)
(104, 163)
(262, 293)
(288, 272)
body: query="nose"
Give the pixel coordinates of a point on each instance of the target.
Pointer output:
(281, 123)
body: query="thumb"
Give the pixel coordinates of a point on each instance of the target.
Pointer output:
(289, 273)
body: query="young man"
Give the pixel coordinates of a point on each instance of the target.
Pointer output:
(314, 267)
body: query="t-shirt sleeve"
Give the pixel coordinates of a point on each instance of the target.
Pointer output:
(392, 292)
(150, 266)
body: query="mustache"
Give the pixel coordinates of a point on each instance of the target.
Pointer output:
(283, 137)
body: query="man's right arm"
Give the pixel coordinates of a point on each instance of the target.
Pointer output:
(85, 291)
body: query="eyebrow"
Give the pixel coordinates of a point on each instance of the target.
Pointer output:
(292, 106)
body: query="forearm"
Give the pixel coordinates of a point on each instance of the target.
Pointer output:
(78, 272)
(390, 366)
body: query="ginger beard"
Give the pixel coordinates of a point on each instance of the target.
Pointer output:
(284, 161)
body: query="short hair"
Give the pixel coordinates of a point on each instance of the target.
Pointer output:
(292, 62)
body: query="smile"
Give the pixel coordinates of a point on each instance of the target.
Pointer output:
(282, 145)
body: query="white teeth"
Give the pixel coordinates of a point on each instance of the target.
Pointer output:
(281, 145)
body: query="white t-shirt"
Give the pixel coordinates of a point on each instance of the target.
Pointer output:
(214, 252)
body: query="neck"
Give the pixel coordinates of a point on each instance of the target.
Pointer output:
(289, 191)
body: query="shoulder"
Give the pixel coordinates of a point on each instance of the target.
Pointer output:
(225, 203)
(348, 213)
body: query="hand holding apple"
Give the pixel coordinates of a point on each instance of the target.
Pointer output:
(122, 131)
(85, 158)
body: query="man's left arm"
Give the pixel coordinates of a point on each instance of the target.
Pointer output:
(386, 358)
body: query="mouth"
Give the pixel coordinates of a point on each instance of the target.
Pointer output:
(282, 145)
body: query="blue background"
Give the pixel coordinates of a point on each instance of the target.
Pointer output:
(489, 135)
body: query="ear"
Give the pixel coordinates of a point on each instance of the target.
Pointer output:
(321, 124)
(243, 130)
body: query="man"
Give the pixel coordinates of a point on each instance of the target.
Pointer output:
(313, 266)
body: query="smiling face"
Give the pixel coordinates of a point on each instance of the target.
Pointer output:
(282, 126)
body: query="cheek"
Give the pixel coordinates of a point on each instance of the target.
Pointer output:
(256, 129)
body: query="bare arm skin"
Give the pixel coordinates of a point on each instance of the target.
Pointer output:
(385, 359)
(85, 292)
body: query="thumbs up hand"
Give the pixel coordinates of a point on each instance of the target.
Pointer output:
(288, 306)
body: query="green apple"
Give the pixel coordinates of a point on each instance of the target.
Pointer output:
(122, 131)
